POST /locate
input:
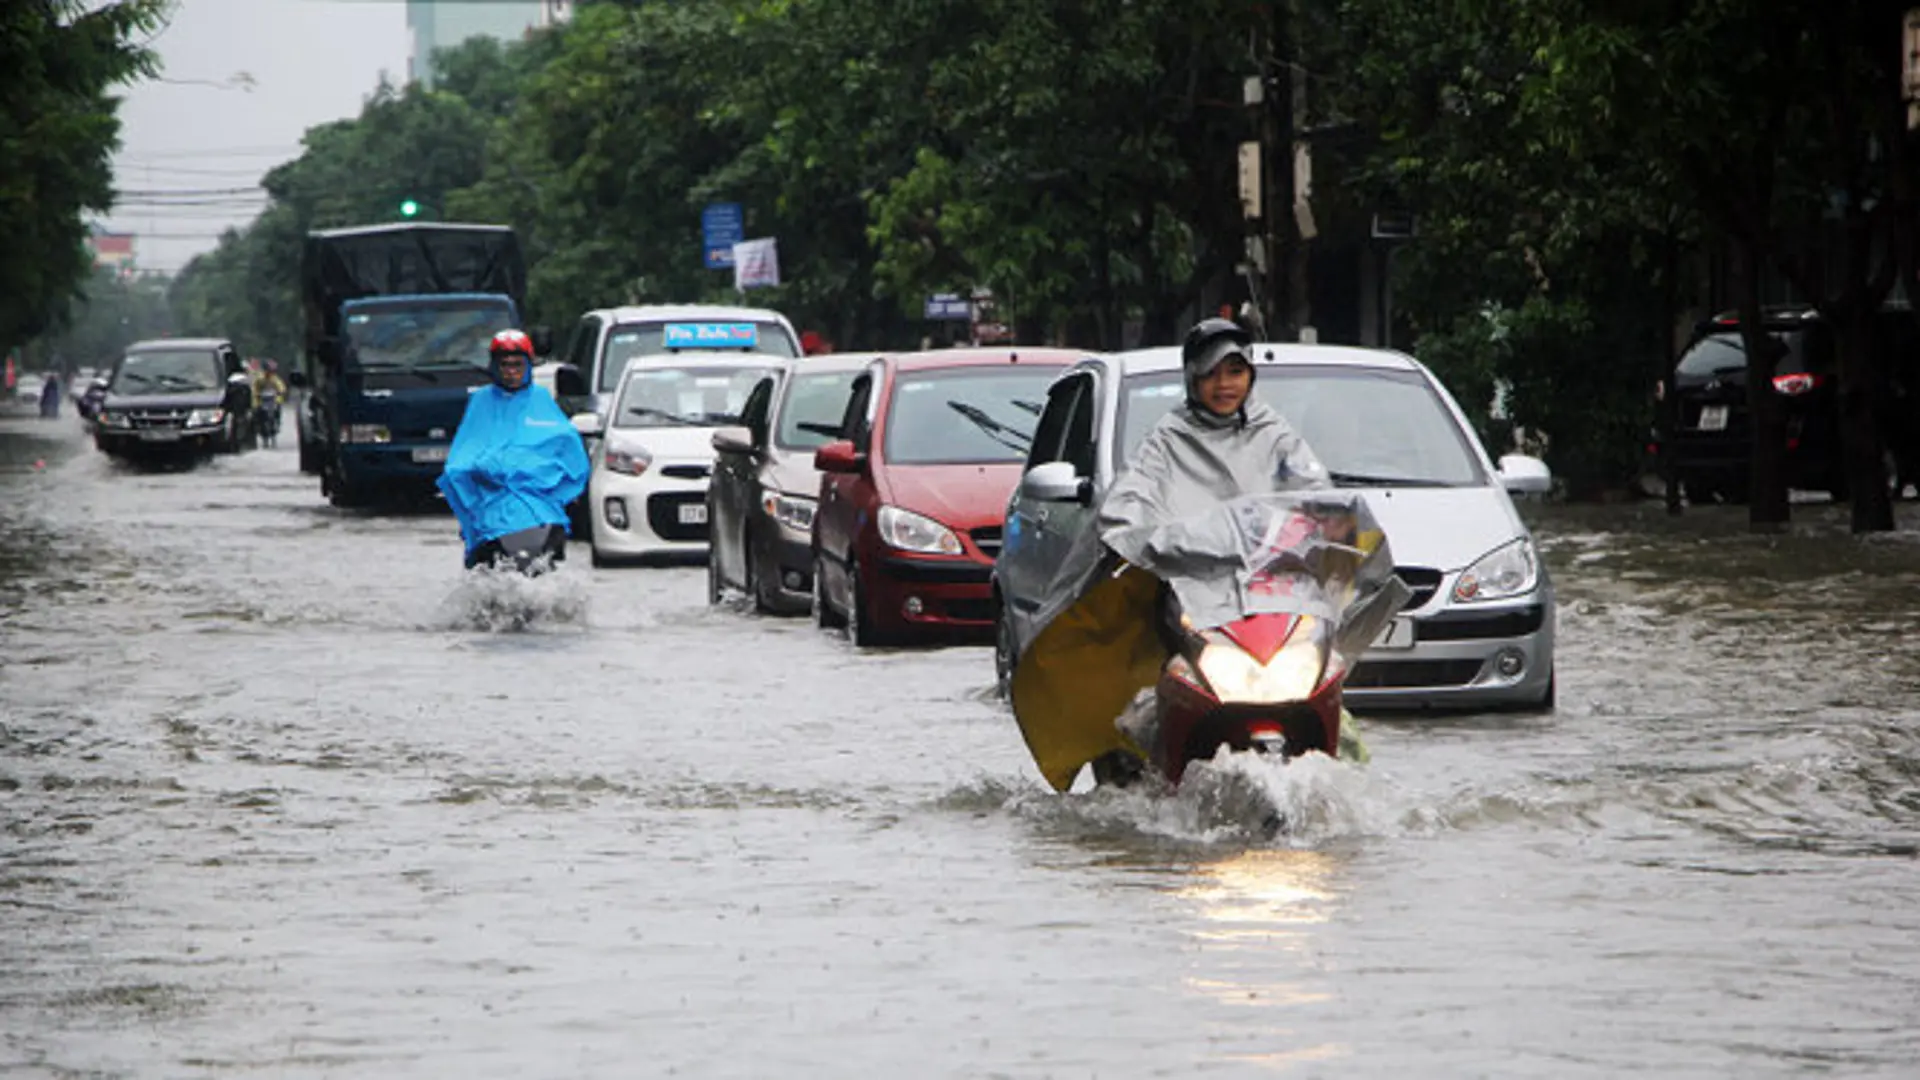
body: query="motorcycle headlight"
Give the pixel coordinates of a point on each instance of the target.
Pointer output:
(908, 531)
(793, 511)
(206, 417)
(630, 459)
(1292, 675)
(1506, 571)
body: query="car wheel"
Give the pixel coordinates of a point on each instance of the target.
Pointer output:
(1005, 650)
(824, 616)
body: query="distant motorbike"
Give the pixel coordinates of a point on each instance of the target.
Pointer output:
(88, 403)
(266, 418)
(532, 552)
(1243, 623)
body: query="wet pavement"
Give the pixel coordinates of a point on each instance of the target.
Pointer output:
(285, 796)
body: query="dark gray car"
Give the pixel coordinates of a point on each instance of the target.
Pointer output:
(176, 396)
(761, 500)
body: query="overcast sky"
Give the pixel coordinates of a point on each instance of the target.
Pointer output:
(243, 79)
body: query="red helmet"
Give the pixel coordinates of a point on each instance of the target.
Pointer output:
(511, 341)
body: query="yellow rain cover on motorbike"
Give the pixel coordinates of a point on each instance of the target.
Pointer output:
(1083, 669)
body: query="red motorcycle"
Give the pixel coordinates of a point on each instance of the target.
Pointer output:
(1243, 622)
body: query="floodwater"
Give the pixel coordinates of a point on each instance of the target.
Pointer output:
(285, 797)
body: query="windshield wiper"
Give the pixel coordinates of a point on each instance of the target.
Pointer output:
(648, 410)
(999, 432)
(1033, 407)
(1347, 479)
(814, 427)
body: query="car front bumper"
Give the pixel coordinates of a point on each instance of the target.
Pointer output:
(663, 517)
(927, 596)
(1464, 656)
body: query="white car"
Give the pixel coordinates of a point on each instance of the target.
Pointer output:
(606, 340)
(653, 457)
(1479, 629)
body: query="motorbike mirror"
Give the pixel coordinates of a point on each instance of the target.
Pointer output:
(589, 423)
(568, 382)
(1056, 481)
(838, 456)
(1525, 475)
(733, 440)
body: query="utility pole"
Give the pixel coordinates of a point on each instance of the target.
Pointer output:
(1276, 141)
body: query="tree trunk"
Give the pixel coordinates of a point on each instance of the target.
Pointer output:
(1767, 508)
(1861, 391)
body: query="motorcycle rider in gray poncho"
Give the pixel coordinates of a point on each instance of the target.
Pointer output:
(1220, 444)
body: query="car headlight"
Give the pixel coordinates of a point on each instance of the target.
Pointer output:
(908, 531)
(1510, 570)
(793, 511)
(206, 417)
(365, 433)
(114, 419)
(629, 459)
(1292, 674)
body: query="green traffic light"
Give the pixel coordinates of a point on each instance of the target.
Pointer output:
(409, 208)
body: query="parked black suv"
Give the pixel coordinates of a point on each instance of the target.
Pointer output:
(176, 396)
(1712, 439)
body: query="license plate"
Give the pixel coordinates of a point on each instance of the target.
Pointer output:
(1397, 635)
(1713, 418)
(693, 513)
(160, 436)
(427, 454)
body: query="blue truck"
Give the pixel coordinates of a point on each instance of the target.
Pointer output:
(398, 318)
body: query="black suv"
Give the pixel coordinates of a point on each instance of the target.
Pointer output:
(176, 396)
(1712, 438)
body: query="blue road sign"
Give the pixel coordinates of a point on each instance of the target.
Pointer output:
(949, 307)
(721, 226)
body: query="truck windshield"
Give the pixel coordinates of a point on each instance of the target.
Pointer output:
(425, 333)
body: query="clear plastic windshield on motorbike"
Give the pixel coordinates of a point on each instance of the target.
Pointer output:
(1317, 552)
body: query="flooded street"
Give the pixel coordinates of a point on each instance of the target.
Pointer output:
(283, 797)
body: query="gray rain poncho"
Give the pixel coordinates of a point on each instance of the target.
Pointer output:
(1176, 517)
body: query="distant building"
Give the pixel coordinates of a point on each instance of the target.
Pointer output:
(111, 249)
(442, 24)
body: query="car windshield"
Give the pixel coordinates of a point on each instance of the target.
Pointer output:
(1370, 428)
(690, 396)
(966, 415)
(630, 340)
(1726, 354)
(416, 335)
(814, 406)
(167, 371)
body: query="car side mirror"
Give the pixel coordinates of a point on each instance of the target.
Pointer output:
(568, 382)
(734, 440)
(1056, 481)
(588, 423)
(1525, 475)
(542, 337)
(297, 380)
(838, 456)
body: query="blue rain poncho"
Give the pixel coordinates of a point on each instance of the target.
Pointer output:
(515, 463)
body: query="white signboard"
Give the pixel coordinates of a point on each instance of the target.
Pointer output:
(755, 263)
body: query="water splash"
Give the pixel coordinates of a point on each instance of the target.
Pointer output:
(506, 601)
(1236, 799)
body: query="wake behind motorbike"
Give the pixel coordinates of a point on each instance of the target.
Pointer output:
(1233, 630)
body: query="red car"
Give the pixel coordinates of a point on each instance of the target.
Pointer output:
(914, 492)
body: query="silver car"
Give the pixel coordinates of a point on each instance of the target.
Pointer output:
(1479, 628)
(762, 498)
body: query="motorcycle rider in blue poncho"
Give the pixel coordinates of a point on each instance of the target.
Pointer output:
(515, 463)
